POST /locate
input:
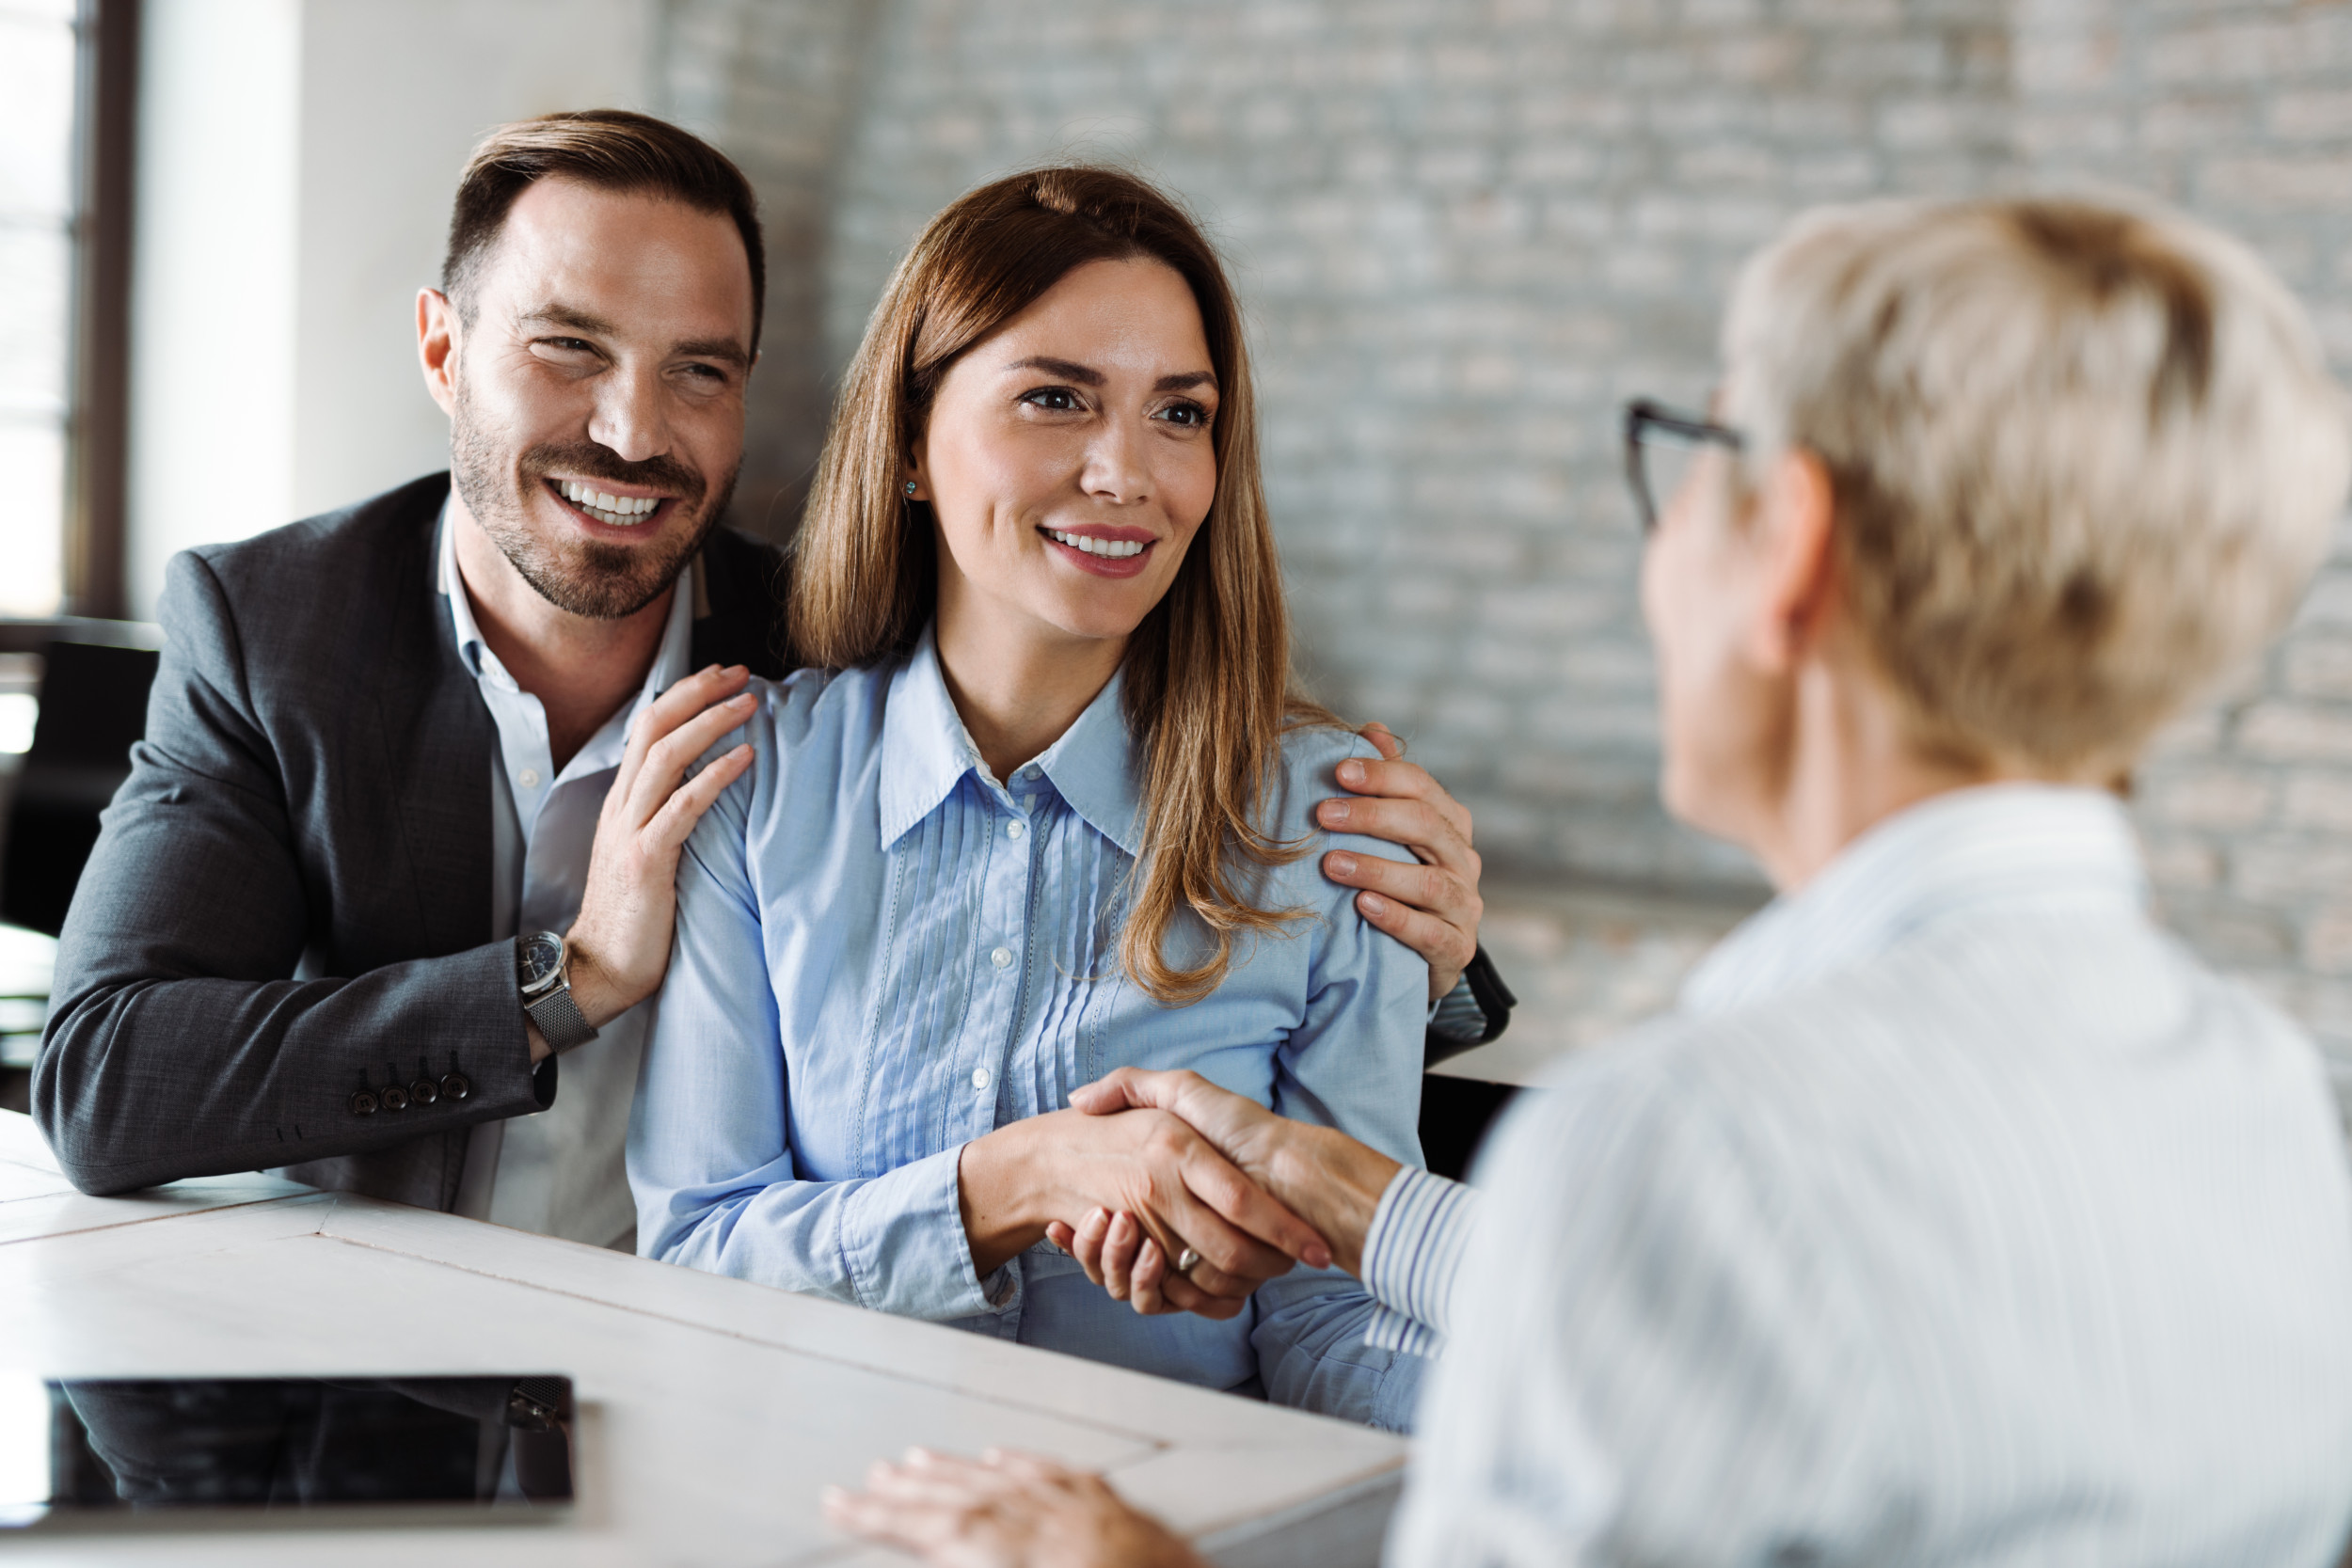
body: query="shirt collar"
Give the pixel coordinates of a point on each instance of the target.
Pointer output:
(470, 644)
(926, 751)
(2011, 843)
(672, 660)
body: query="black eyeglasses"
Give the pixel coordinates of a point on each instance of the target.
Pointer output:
(1660, 447)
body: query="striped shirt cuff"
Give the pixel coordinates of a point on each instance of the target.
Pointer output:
(1457, 1017)
(1394, 1331)
(1412, 1255)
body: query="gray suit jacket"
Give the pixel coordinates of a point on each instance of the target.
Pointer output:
(311, 799)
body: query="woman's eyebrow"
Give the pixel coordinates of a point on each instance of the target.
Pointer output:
(1068, 370)
(1086, 376)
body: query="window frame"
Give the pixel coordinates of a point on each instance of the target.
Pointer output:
(99, 361)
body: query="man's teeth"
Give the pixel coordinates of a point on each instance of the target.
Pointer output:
(1114, 548)
(618, 510)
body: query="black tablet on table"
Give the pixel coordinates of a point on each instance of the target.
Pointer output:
(186, 1453)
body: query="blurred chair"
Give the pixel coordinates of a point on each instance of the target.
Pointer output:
(93, 707)
(1455, 1116)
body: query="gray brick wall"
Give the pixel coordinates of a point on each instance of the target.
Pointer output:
(1466, 231)
(2243, 114)
(776, 85)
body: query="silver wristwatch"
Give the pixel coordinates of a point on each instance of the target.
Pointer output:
(541, 967)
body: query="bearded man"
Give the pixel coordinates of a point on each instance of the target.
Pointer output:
(394, 753)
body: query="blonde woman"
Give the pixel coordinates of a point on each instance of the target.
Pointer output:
(1040, 809)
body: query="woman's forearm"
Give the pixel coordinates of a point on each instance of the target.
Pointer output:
(998, 1184)
(1329, 1179)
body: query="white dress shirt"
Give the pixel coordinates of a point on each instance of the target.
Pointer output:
(563, 1171)
(1958, 1215)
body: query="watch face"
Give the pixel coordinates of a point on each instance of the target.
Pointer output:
(536, 960)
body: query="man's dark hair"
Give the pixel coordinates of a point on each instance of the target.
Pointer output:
(612, 149)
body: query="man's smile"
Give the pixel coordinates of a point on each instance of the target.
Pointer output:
(610, 504)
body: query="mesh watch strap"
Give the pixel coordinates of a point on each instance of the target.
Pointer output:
(558, 1018)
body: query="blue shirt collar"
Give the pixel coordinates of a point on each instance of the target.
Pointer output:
(2022, 846)
(926, 751)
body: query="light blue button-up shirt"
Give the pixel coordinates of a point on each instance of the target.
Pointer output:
(883, 952)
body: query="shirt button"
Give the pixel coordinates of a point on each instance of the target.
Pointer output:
(1015, 827)
(1030, 771)
(1002, 957)
(979, 1077)
(529, 778)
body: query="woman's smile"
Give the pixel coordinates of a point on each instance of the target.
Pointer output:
(1107, 553)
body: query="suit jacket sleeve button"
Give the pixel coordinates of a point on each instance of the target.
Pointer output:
(393, 1096)
(455, 1085)
(363, 1104)
(424, 1092)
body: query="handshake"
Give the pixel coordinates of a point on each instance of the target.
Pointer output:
(1242, 1195)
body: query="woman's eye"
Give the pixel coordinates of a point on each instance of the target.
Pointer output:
(1057, 400)
(1190, 415)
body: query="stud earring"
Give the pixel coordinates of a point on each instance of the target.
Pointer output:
(909, 487)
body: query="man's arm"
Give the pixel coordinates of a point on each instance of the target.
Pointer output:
(178, 1042)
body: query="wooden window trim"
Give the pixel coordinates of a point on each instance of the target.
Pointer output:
(97, 416)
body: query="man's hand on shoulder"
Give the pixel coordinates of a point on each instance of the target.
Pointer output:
(1433, 907)
(619, 947)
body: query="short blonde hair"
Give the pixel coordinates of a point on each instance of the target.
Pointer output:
(2085, 456)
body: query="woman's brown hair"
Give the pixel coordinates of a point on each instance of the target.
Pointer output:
(1207, 673)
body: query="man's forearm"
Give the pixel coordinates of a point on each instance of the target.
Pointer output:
(145, 1080)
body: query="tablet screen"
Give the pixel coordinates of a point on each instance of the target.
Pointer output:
(114, 1451)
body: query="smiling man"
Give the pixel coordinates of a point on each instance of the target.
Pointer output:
(404, 761)
(323, 929)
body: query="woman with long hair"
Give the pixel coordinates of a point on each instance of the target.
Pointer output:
(1040, 808)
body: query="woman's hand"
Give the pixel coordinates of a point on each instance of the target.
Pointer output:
(1129, 1265)
(1432, 908)
(619, 947)
(1002, 1511)
(1333, 1181)
(1180, 1190)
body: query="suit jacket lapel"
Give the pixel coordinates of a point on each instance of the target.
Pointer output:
(437, 744)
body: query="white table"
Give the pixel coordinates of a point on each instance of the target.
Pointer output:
(711, 1410)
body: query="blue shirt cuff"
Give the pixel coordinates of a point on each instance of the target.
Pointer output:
(904, 1250)
(1412, 1254)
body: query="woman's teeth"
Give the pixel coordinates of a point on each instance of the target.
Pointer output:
(1113, 549)
(615, 511)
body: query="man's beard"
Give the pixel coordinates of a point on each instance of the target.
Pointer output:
(585, 577)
